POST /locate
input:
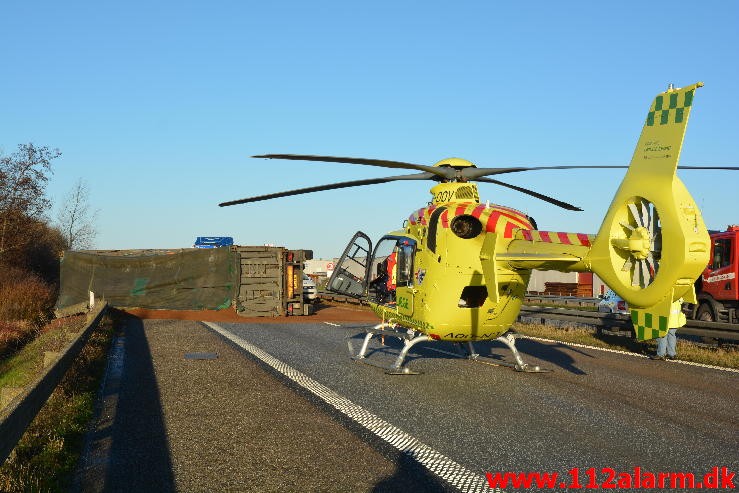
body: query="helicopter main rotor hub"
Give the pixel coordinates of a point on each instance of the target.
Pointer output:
(457, 165)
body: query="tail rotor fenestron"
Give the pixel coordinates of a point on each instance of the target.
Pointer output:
(641, 243)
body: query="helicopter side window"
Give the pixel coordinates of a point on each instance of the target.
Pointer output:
(405, 263)
(721, 253)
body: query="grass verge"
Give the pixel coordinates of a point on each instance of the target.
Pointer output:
(686, 350)
(21, 367)
(46, 456)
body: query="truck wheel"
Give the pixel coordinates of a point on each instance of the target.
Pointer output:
(705, 313)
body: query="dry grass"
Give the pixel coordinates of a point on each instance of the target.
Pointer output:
(727, 357)
(13, 336)
(22, 366)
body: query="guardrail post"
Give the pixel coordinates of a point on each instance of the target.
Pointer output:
(7, 394)
(50, 358)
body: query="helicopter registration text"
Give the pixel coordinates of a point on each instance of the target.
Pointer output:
(463, 336)
(403, 302)
(444, 196)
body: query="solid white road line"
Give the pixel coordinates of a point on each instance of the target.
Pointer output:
(450, 471)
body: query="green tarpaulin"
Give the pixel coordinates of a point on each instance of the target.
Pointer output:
(184, 279)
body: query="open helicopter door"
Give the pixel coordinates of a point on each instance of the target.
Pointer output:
(392, 273)
(351, 272)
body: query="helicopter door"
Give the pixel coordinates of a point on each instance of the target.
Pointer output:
(404, 290)
(351, 272)
(392, 279)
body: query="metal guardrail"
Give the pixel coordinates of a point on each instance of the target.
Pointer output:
(561, 300)
(340, 298)
(609, 321)
(18, 414)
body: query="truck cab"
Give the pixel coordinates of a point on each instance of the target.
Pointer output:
(717, 288)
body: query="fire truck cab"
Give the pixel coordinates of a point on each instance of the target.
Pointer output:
(717, 288)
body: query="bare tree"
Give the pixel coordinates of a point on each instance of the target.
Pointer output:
(23, 177)
(76, 220)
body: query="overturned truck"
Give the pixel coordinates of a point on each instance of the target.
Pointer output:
(255, 281)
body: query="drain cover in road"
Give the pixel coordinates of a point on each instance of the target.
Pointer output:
(201, 355)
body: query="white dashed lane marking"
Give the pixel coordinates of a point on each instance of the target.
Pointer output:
(438, 464)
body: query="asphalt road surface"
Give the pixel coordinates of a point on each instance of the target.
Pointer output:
(234, 423)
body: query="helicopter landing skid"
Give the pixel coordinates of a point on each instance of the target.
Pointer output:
(509, 340)
(382, 330)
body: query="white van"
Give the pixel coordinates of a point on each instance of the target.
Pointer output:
(310, 291)
(613, 303)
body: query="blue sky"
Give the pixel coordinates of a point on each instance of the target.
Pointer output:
(158, 106)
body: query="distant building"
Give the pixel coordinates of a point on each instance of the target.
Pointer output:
(586, 284)
(320, 267)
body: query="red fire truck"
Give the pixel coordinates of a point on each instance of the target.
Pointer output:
(718, 296)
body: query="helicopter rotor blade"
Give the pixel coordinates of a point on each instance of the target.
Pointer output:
(438, 173)
(331, 186)
(538, 195)
(476, 173)
(734, 168)
(645, 214)
(446, 173)
(637, 217)
(451, 173)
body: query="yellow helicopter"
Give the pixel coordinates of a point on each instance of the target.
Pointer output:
(458, 269)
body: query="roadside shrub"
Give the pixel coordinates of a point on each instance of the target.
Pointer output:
(24, 297)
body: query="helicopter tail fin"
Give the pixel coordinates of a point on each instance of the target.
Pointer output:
(653, 244)
(656, 320)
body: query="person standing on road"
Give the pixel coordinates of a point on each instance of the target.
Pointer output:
(667, 346)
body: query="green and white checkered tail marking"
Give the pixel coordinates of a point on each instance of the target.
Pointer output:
(656, 320)
(670, 107)
(645, 326)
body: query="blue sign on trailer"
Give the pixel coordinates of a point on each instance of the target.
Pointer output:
(213, 241)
